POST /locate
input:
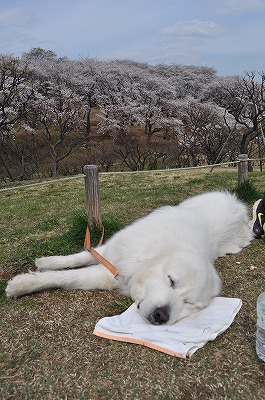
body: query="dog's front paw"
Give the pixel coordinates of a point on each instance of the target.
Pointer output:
(19, 285)
(51, 263)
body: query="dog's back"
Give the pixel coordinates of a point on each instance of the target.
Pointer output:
(226, 221)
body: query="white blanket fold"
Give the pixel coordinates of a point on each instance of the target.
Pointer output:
(182, 339)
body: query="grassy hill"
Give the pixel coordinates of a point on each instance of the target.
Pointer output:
(47, 347)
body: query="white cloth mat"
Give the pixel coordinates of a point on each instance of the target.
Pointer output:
(182, 339)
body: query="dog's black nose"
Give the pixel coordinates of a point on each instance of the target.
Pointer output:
(161, 315)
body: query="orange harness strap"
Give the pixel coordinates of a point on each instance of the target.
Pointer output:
(106, 263)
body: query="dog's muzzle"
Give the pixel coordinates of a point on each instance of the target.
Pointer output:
(160, 315)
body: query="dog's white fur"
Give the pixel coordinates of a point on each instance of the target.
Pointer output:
(165, 260)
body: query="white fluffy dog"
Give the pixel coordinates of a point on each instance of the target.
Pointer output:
(165, 260)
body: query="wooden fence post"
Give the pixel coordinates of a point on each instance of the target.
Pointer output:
(92, 195)
(242, 169)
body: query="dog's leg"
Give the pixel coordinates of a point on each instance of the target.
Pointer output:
(94, 277)
(71, 261)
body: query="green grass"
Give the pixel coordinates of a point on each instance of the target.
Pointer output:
(77, 229)
(248, 192)
(47, 349)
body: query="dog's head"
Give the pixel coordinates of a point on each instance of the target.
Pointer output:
(171, 288)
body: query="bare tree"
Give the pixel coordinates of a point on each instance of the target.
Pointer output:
(207, 131)
(243, 98)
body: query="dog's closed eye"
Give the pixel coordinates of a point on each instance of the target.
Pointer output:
(172, 282)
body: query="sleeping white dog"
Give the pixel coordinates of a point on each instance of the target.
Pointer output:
(165, 260)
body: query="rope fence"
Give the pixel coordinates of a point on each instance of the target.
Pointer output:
(238, 162)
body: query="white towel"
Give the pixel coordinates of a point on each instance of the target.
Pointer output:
(181, 339)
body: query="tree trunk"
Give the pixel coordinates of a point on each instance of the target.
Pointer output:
(55, 167)
(88, 120)
(6, 168)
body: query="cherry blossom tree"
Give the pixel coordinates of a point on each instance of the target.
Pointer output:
(16, 91)
(85, 80)
(57, 111)
(186, 80)
(132, 96)
(144, 116)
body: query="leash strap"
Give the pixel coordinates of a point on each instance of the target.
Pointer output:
(106, 263)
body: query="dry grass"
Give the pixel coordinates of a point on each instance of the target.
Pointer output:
(47, 349)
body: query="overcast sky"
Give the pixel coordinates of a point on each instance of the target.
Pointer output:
(228, 35)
